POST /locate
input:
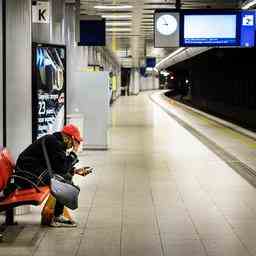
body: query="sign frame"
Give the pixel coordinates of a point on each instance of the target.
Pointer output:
(166, 11)
(37, 14)
(34, 91)
(182, 12)
(210, 12)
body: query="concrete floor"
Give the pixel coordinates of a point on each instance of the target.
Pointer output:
(157, 191)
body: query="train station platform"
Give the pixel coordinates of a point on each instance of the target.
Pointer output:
(173, 182)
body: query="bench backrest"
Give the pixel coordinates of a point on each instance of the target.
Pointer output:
(6, 167)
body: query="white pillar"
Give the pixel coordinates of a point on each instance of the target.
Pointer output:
(77, 56)
(135, 82)
(18, 75)
(54, 31)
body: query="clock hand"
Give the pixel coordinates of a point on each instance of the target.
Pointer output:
(166, 23)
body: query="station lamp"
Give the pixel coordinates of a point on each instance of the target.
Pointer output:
(248, 4)
(110, 16)
(113, 7)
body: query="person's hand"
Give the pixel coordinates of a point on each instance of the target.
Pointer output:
(83, 171)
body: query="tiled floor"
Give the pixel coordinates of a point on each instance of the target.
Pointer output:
(158, 191)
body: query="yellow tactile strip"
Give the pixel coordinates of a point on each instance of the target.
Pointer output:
(241, 168)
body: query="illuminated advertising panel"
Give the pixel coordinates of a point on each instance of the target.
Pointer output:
(49, 89)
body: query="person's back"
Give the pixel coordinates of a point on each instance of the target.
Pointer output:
(32, 158)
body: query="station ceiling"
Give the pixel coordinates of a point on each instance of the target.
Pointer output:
(130, 28)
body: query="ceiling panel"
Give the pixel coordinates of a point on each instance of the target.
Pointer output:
(140, 17)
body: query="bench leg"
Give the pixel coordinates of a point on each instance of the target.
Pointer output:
(9, 220)
(9, 217)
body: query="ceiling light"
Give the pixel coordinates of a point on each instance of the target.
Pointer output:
(118, 24)
(118, 29)
(165, 73)
(248, 4)
(113, 7)
(116, 16)
(170, 56)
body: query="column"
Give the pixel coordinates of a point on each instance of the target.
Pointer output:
(18, 75)
(135, 82)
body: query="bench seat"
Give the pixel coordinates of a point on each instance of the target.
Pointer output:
(29, 196)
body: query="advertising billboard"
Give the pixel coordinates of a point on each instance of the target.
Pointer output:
(48, 89)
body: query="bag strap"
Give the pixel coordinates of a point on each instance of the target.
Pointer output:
(46, 157)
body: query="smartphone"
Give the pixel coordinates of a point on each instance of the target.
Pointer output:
(88, 168)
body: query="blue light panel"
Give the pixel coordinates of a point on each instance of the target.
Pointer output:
(247, 29)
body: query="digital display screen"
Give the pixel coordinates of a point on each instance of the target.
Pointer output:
(92, 33)
(150, 62)
(248, 28)
(210, 29)
(49, 87)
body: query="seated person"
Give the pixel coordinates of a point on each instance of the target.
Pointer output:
(31, 164)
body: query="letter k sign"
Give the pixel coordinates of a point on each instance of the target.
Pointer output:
(41, 12)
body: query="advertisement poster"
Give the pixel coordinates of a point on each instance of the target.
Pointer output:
(49, 88)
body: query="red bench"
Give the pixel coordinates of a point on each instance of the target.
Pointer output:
(31, 196)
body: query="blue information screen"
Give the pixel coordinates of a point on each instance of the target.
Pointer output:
(211, 29)
(212, 41)
(248, 29)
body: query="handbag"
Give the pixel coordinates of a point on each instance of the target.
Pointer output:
(65, 192)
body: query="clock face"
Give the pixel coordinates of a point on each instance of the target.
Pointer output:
(166, 24)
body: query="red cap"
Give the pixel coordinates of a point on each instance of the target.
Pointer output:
(72, 131)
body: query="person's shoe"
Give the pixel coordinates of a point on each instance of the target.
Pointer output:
(61, 221)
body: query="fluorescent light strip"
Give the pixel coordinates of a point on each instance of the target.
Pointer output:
(118, 29)
(248, 4)
(116, 16)
(113, 7)
(118, 24)
(170, 56)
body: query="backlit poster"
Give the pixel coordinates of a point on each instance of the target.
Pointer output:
(49, 89)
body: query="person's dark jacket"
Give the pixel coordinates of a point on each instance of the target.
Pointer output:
(32, 158)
